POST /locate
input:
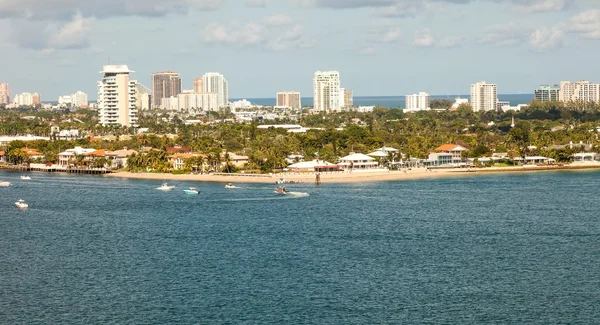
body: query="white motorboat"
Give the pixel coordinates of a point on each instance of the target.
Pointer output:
(5, 184)
(229, 185)
(165, 187)
(21, 204)
(191, 191)
(281, 190)
(25, 177)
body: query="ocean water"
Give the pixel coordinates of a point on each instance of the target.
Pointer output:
(396, 101)
(500, 249)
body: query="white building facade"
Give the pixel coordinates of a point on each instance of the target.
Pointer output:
(117, 97)
(483, 96)
(579, 91)
(25, 99)
(213, 82)
(326, 91)
(289, 99)
(417, 102)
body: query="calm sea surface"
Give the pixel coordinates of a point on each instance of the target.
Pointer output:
(396, 101)
(519, 249)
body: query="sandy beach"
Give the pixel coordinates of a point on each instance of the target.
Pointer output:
(351, 177)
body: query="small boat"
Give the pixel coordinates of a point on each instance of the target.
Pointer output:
(25, 177)
(281, 190)
(229, 185)
(5, 184)
(191, 191)
(281, 181)
(165, 187)
(21, 204)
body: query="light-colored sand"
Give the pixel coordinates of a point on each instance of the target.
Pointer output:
(353, 177)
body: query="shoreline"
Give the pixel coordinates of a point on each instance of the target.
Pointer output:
(352, 177)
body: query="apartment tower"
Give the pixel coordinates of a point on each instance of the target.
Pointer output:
(579, 91)
(326, 91)
(164, 85)
(483, 96)
(198, 86)
(289, 99)
(547, 93)
(117, 97)
(213, 82)
(417, 102)
(4, 93)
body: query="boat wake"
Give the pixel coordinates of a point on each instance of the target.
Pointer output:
(290, 195)
(297, 194)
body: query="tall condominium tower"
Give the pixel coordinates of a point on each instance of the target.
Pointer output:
(198, 86)
(483, 96)
(417, 102)
(117, 97)
(165, 85)
(579, 91)
(290, 99)
(547, 93)
(348, 98)
(213, 82)
(326, 88)
(4, 93)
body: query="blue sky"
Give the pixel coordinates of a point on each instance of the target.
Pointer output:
(380, 47)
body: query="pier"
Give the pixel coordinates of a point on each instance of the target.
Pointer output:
(57, 169)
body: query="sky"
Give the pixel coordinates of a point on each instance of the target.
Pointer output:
(380, 47)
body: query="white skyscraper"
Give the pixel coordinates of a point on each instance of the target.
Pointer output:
(579, 91)
(417, 102)
(213, 82)
(25, 99)
(79, 99)
(117, 97)
(483, 96)
(326, 86)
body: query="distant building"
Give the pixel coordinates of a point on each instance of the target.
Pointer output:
(4, 93)
(579, 91)
(348, 97)
(289, 99)
(501, 103)
(164, 85)
(326, 91)
(117, 97)
(547, 93)
(143, 97)
(27, 99)
(459, 101)
(213, 82)
(417, 102)
(483, 96)
(188, 102)
(198, 85)
(80, 99)
(64, 101)
(243, 103)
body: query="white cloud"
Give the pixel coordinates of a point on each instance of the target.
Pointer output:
(541, 5)
(546, 39)
(383, 34)
(48, 37)
(74, 34)
(587, 24)
(451, 42)
(256, 3)
(423, 38)
(508, 34)
(267, 34)
(278, 20)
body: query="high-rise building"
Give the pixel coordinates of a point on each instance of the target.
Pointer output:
(164, 85)
(4, 93)
(289, 99)
(198, 86)
(326, 91)
(483, 96)
(117, 96)
(213, 82)
(417, 102)
(80, 99)
(25, 99)
(190, 101)
(36, 99)
(579, 91)
(143, 97)
(348, 98)
(547, 93)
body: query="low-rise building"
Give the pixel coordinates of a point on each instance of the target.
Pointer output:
(178, 160)
(454, 149)
(67, 158)
(359, 161)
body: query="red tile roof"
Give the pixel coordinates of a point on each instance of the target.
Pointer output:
(450, 147)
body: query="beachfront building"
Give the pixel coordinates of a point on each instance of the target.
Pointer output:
(289, 99)
(117, 97)
(483, 96)
(68, 157)
(586, 157)
(178, 160)
(454, 149)
(417, 102)
(165, 84)
(315, 165)
(579, 91)
(326, 92)
(235, 159)
(538, 160)
(358, 161)
(546, 93)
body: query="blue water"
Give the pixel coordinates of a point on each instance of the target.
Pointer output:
(518, 249)
(396, 101)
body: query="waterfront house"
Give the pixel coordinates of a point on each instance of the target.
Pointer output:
(235, 159)
(454, 149)
(119, 158)
(538, 160)
(33, 154)
(586, 157)
(440, 159)
(315, 165)
(2, 157)
(67, 157)
(359, 161)
(178, 160)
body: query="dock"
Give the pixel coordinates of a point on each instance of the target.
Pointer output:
(57, 169)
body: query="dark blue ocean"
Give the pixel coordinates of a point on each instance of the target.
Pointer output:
(396, 101)
(501, 249)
